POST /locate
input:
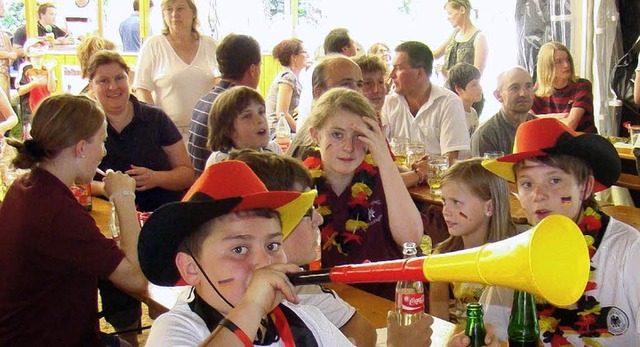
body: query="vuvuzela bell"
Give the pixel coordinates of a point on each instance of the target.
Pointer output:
(550, 260)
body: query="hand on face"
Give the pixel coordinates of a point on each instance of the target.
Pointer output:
(417, 334)
(371, 134)
(145, 178)
(268, 286)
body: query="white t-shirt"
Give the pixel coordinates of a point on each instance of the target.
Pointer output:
(218, 156)
(440, 123)
(183, 327)
(337, 311)
(176, 86)
(618, 279)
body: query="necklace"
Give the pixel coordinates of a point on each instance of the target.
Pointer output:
(362, 184)
(584, 319)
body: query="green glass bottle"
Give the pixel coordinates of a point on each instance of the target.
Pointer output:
(475, 325)
(523, 328)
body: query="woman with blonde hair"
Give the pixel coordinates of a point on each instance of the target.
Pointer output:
(357, 180)
(178, 66)
(52, 250)
(560, 93)
(85, 50)
(476, 211)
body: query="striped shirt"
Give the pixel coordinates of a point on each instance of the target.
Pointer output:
(199, 129)
(578, 94)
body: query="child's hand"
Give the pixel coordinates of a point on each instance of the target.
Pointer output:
(373, 136)
(416, 334)
(461, 340)
(145, 178)
(268, 286)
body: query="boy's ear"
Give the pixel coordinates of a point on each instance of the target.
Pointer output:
(314, 134)
(458, 89)
(587, 189)
(187, 268)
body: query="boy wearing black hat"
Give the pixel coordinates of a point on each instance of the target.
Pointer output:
(225, 240)
(556, 171)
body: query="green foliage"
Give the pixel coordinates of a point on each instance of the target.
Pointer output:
(405, 6)
(13, 16)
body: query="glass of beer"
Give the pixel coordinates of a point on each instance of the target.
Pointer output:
(438, 165)
(415, 152)
(399, 149)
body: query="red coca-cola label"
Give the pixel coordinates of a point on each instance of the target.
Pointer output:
(142, 217)
(410, 302)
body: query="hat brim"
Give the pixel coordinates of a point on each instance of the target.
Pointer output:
(594, 149)
(169, 225)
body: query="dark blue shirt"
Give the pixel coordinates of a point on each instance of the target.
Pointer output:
(140, 143)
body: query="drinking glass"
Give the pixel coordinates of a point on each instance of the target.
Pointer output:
(415, 152)
(493, 155)
(438, 165)
(399, 149)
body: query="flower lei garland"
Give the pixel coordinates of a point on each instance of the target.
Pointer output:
(361, 188)
(583, 320)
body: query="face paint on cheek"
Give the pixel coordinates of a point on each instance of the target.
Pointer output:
(566, 200)
(463, 215)
(226, 281)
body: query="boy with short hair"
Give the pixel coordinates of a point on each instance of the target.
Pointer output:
(556, 171)
(464, 80)
(225, 239)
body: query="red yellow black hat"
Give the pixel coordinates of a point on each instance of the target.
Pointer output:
(225, 187)
(549, 136)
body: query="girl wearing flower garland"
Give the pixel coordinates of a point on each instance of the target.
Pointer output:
(556, 172)
(476, 210)
(355, 177)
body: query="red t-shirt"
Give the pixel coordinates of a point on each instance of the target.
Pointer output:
(52, 254)
(578, 94)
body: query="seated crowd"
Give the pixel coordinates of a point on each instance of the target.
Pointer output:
(190, 139)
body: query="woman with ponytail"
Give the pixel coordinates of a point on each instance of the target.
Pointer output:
(52, 251)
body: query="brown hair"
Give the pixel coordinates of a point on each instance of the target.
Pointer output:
(104, 58)
(287, 49)
(59, 122)
(223, 113)
(87, 48)
(569, 164)
(371, 63)
(192, 6)
(43, 7)
(486, 186)
(276, 171)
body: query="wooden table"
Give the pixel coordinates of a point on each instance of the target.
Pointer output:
(629, 177)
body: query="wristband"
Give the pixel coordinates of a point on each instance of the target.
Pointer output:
(122, 193)
(420, 177)
(240, 334)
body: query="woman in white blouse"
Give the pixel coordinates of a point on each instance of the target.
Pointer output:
(178, 66)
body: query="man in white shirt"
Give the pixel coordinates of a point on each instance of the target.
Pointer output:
(421, 111)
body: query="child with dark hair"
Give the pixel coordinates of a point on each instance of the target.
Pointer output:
(556, 171)
(464, 80)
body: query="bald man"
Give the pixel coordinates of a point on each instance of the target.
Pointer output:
(515, 93)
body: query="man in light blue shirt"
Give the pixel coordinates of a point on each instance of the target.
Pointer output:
(130, 29)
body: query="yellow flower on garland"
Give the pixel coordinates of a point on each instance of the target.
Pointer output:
(353, 225)
(360, 188)
(548, 324)
(369, 159)
(323, 210)
(315, 173)
(594, 310)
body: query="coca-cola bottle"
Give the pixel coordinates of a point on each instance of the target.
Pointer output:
(409, 294)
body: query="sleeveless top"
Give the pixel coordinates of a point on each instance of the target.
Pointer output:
(457, 52)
